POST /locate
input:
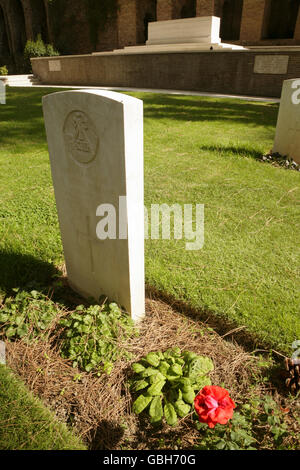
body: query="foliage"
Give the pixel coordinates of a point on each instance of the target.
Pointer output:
(93, 337)
(28, 314)
(258, 424)
(168, 382)
(38, 48)
(272, 418)
(3, 70)
(236, 436)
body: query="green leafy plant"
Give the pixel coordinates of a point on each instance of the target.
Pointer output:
(258, 424)
(167, 383)
(93, 337)
(28, 314)
(38, 48)
(236, 436)
(3, 70)
(271, 417)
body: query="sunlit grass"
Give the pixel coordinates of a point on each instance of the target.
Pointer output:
(197, 150)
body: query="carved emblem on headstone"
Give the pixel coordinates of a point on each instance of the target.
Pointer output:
(80, 137)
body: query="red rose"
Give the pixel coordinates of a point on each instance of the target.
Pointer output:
(214, 405)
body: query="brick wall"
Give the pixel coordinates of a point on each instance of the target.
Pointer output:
(146, 11)
(252, 20)
(205, 7)
(219, 72)
(127, 23)
(297, 28)
(164, 10)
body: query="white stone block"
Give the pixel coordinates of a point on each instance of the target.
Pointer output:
(287, 138)
(204, 29)
(2, 353)
(95, 141)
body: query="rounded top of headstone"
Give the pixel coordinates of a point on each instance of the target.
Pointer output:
(106, 94)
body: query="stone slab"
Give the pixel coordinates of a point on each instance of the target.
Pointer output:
(95, 141)
(204, 29)
(271, 64)
(169, 48)
(287, 137)
(54, 65)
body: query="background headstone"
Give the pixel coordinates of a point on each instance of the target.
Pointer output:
(2, 353)
(287, 138)
(95, 141)
(2, 92)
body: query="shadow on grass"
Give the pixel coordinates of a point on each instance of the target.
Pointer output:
(22, 115)
(229, 149)
(29, 273)
(209, 109)
(21, 270)
(227, 329)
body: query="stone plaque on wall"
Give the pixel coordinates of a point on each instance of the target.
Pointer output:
(54, 66)
(275, 64)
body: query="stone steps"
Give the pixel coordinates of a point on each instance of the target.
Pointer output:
(19, 80)
(188, 47)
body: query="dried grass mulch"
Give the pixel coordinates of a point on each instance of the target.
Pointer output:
(99, 409)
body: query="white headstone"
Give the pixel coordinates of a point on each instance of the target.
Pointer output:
(2, 353)
(95, 141)
(2, 92)
(287, 138)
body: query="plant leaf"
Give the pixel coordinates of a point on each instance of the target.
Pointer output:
(156, 410)
(189, 396)
(141, 404)
(181, 408)
(156, 388)
(140, 385)
(137, 367)
(170, 414)
(153, 359)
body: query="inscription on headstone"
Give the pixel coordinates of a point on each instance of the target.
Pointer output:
(81, 139)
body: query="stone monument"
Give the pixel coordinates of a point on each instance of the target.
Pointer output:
(287, 138)
(95, 141)
(183, 35)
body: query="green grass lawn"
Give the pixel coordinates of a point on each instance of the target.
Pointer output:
(25, 424)
(197, 150)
